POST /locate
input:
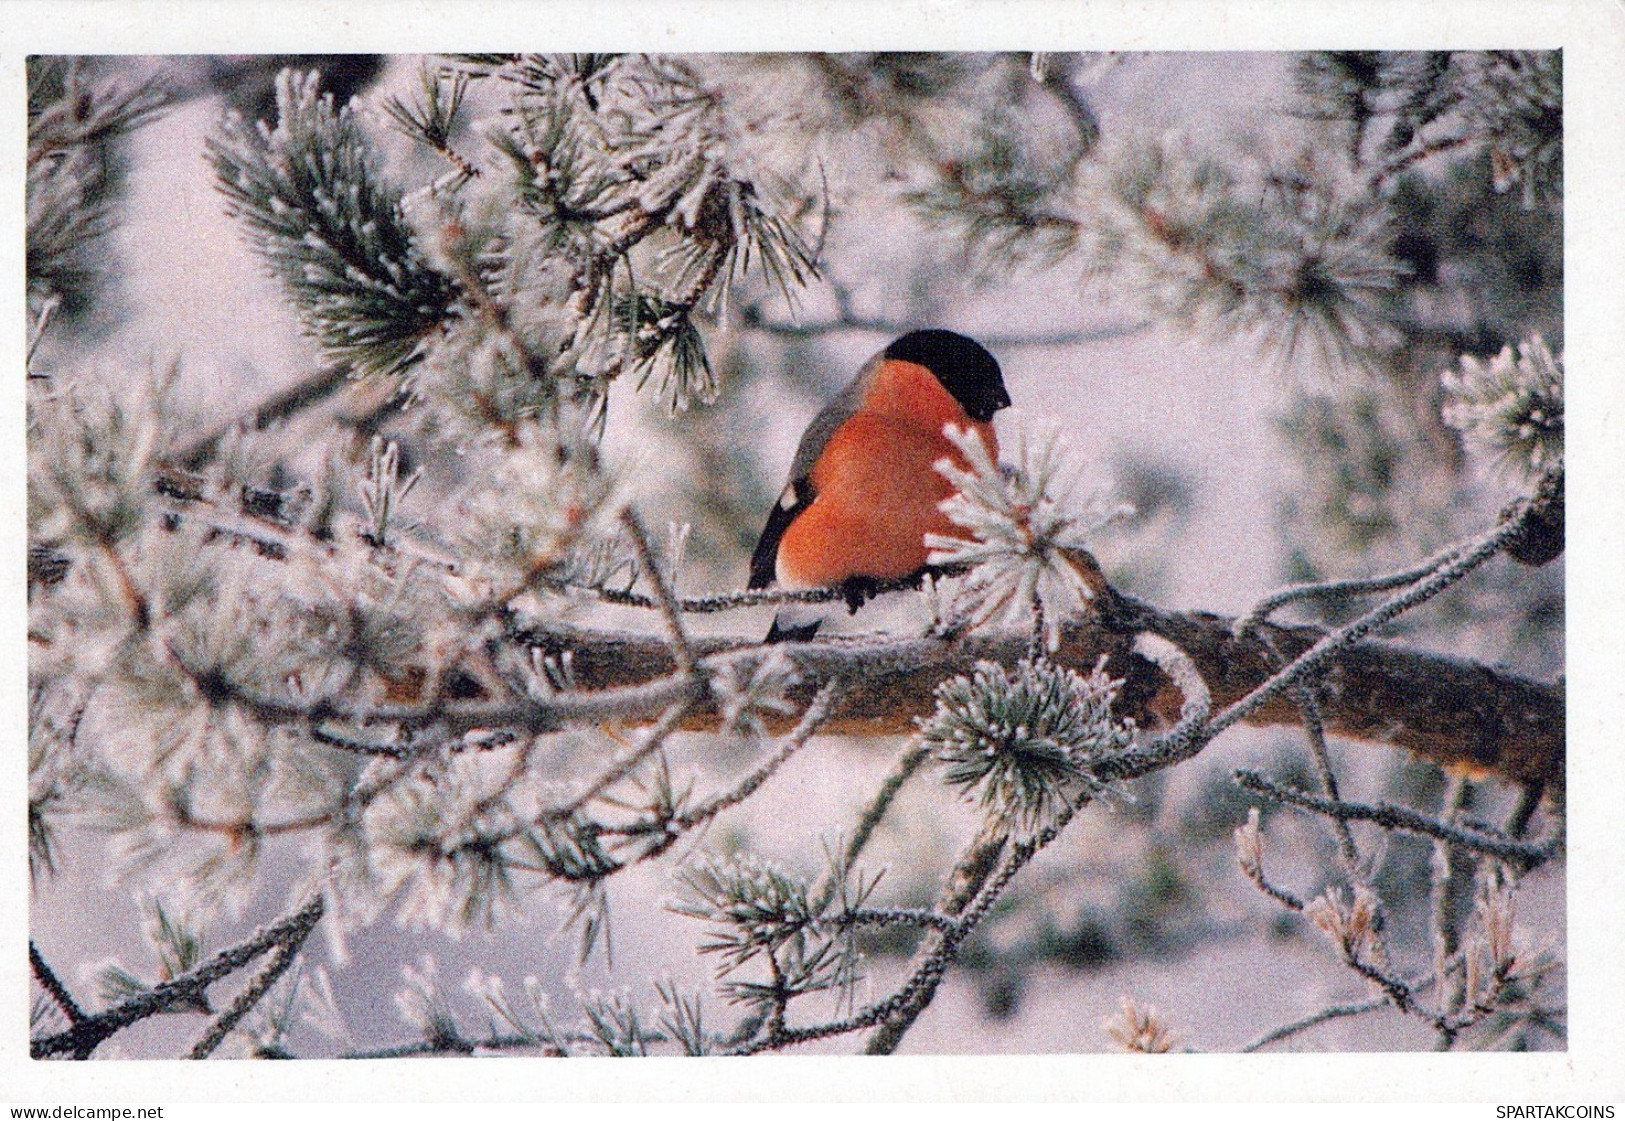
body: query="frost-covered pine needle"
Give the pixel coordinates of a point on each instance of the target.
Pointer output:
(1025, 743)
(746, 692)
(1137, 1028)
(1020, 520)
(1510, 406)
(384, 491)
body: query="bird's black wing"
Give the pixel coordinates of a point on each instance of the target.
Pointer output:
(764, 561)
(798, 493)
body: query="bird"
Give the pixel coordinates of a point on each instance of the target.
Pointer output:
(863, 490)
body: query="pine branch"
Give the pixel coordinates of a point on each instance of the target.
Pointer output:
(1058, 83)
(1447, 710)
(74, 119)
(312, 200)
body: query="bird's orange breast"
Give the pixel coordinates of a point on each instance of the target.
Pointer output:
(876, 486)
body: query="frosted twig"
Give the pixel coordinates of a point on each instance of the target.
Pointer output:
(815, 715)
(249, 997)
(1078, 110)
(1519, 854)
(896, 916)
(84, 1037)
(1333, 588)
(53, 985)
(1250, 856)
(1446, 886)
(1335, 1012)
(907, 764)
(1331, 645)
(1185, 738)
(733, 601)
(891, 328)
(652, 740)
(976, 884)
(359, 747)
(682, 651)
(1315, 731)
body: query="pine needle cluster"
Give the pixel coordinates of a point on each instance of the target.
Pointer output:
(1511, 405)
(1024, 744)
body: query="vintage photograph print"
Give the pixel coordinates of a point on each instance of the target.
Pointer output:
(729, 554)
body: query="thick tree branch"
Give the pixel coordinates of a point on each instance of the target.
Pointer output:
(1450, 711)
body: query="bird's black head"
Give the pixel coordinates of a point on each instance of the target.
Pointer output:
(962, 365)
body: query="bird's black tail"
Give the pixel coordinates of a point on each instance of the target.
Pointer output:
(799, 622)
(794, 625)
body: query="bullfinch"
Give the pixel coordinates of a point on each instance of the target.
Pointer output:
(863, 489)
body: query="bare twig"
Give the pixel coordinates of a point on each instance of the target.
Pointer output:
(358, 746)
(452, 1046)
(1400, 161)
(1524, 812)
